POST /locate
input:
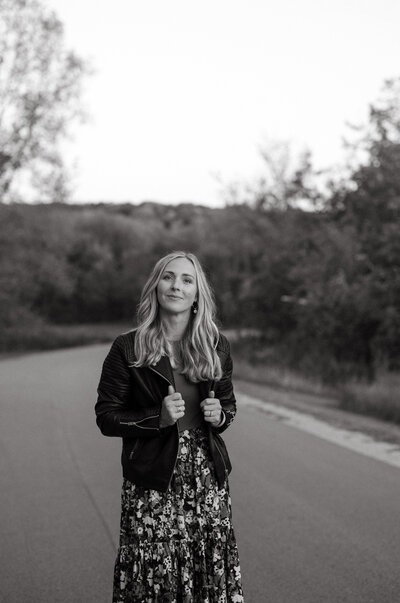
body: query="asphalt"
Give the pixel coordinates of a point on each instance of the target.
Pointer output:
(315, 522)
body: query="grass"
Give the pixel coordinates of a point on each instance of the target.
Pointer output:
(42, 336)
(380, 398)
(260, 363)
(280, 377)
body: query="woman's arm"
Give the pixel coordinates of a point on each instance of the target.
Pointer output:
(113, 416)
(224, 388)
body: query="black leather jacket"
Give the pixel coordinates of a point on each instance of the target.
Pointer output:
(129, 406)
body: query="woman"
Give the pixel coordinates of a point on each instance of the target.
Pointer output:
(166, 389)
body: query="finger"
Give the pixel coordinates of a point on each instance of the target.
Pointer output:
(212, 413)
(175, 404)
(211, 404)
(171, 389)
(211, 394)
(209, 401)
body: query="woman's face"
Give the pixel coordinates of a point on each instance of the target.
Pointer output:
(177, 287)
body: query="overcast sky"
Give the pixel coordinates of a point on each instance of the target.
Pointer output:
(185, 92)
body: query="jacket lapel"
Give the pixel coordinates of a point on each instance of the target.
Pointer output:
(163, 368)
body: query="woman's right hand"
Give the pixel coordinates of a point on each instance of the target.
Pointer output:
(172, 408)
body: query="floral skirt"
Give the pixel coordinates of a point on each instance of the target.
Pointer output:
(179, 545)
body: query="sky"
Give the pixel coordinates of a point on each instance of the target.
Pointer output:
(185, 93)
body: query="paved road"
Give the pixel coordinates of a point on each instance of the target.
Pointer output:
(315, 523)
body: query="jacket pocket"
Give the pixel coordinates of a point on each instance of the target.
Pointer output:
(132, 449)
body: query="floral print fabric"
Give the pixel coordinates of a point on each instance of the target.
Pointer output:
(179, 545)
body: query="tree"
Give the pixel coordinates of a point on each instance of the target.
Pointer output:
(369, 195)
(287, 181)
(369, 202)
(40, 85)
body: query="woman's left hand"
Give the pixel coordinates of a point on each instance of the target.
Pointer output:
(211, 408)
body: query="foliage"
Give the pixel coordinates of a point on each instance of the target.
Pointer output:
(292, 275)
(40, 83)
(370, 204)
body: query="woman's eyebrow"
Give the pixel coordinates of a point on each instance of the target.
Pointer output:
(174, 273)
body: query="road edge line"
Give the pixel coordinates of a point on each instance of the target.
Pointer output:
(353, 440)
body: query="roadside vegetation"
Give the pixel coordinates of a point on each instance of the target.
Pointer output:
(379, 398)
(44, 336)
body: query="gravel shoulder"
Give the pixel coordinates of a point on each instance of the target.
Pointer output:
(323, 408)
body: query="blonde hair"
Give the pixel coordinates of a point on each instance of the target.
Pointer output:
(197, 353)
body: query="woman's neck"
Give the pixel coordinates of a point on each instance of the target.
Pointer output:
(175, 326)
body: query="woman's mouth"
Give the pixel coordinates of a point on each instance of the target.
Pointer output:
(174, 297)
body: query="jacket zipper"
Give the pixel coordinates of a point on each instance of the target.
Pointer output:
(161, 375)
(134, 449)
(176, 422)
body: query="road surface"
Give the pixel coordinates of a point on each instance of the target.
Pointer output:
(315, 522)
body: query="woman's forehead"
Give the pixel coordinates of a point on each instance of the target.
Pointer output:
(181, 266)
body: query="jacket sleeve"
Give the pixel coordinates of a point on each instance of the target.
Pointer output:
(224, 388)
(113, 415)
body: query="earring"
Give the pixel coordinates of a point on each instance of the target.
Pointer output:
(195, 307)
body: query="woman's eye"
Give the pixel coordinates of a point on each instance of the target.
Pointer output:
(187, 280)
(166, 276)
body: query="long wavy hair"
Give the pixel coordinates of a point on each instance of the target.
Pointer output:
(197, 355)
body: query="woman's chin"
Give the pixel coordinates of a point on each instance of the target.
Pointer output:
(173, 310)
